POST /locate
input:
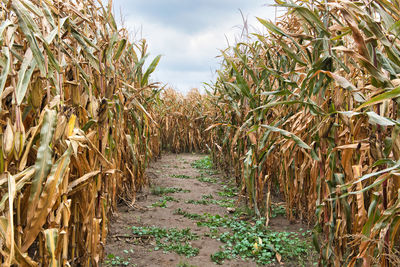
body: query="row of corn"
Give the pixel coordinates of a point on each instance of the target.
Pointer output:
(311, 110)
(77, 115)
(183, 121)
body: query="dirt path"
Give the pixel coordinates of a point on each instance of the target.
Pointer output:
(181, 197)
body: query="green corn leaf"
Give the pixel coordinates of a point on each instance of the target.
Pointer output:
(30, 29)
(24, 76)
(48, 197)
(382, 97)
(43, 161)
(5, 71)
(287, 134)
(309, 16)
(120, 50)
(150, 70)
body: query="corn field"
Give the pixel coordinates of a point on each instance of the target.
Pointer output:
(77, 129)
(309, 111)
(183, 121)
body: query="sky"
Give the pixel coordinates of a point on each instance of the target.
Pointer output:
(189, 34)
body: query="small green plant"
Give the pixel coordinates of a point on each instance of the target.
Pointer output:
(252, 239)
(205, 179)
(158, 190)
(185, 264)
(169, 198)
(228, 191)
(204, 163)
(181, 176)
(220, 256)
(113, 260)
(185, 214)
(198, 202)
(226, 203)
(207, 196)
(162, 203)
(245, 211)
(277, 210)
(255, 241)
(172, 239)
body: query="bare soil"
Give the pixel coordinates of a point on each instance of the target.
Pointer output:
(140, 252)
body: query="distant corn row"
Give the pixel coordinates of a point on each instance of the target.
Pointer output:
(312, 110)
(77, 129)
(183, 121)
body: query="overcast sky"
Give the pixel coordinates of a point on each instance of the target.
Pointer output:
(189, 33)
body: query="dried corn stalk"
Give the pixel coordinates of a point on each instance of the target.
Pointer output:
(183, 121)
(77, 131)
(313, 107)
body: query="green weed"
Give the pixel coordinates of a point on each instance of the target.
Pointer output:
(113, 260)
(252, 240)
(226, 203)
(204, 163)
(228, 191)
(162, 203)
(185, 214)
(198, 202)
(205, 179)
(277, 210)
(172, 239)
(220, 256)
(181, 176)
(158, 190)
(255, 241)
(244, 210)
(185, 264)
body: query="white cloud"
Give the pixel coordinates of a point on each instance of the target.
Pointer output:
(188, 34)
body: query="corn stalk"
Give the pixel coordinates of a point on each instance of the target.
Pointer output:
(310, 110)
(77, 108)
